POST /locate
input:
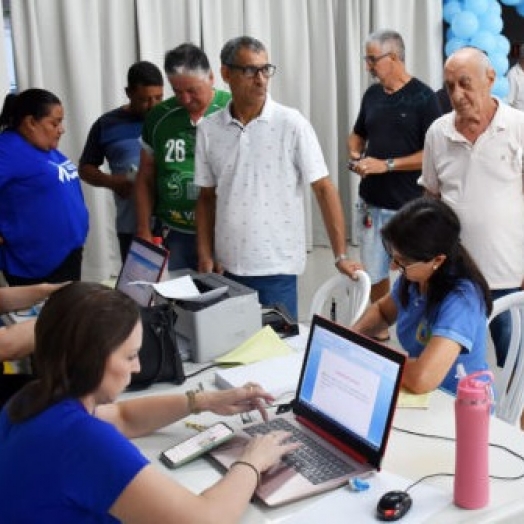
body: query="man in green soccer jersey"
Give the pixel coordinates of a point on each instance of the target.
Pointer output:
(164, 185)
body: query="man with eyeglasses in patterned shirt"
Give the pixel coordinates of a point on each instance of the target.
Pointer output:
(253, 162)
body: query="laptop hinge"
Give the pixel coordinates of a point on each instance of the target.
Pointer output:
(332, 440)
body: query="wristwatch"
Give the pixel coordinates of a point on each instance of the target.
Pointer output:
(341, 257)
(390, 164)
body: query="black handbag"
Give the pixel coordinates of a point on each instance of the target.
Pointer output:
(160, 359)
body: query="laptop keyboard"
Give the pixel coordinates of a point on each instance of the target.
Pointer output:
(312, 461)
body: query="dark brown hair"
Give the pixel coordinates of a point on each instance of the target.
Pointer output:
(77, 330)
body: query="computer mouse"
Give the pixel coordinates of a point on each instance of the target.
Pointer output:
(393, 505)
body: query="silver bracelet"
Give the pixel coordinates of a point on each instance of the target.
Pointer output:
(341, 257)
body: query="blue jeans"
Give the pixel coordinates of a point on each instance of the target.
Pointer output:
(272, 290)
(500, 326)
(182, 250)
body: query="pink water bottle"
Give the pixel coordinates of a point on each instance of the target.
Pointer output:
(472, 413)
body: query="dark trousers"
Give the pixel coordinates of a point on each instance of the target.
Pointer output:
(69, 269)
(124, 242)
(500, 327)
(272, 290)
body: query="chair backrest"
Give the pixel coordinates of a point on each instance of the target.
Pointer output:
(342, 297)
(509, 382)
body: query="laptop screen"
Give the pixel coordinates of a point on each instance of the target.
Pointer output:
(145, 262)
(349, 386)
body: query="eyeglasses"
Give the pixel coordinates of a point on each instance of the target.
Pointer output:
(404, 268)
(252, 71)
(372, 60)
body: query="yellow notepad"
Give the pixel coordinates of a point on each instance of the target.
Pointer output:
(406, 399)
(263, 344)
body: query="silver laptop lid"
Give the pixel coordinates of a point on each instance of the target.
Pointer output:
(348, 389)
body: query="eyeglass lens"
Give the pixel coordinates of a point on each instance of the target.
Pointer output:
(267, 70)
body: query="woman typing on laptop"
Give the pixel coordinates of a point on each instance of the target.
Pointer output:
(67, 440)
(440, 302)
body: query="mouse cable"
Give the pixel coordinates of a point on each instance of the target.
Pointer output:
(426, 477)
(451, 439)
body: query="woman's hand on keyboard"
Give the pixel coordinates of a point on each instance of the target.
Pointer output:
(264, 451)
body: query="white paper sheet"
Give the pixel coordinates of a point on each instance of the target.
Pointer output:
(182, 288)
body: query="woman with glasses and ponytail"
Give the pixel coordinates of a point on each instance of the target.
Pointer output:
(440, 302)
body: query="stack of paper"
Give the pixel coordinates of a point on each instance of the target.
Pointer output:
(278, 376)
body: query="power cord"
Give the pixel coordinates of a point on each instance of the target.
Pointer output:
(201, 370)
(451, 439)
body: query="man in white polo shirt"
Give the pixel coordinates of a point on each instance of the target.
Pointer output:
(253, 162)
(473, 160)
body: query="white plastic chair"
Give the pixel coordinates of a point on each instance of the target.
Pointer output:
(509, 381)
(350, 298)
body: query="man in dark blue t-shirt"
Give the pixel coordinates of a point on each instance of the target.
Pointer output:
(385, 148)
(115, 137)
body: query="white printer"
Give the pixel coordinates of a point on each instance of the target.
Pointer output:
(211, 328)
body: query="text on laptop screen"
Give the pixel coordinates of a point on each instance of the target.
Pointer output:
(349, 384)
(143, 262)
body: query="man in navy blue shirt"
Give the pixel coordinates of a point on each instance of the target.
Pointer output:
(115, 137)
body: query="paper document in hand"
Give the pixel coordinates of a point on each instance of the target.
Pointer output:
(262, 345)
(278, 376)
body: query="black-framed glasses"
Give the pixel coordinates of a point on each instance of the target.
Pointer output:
(403, 268)
(372, 60)
(251, 71)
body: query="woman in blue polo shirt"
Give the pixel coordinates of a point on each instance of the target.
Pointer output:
(440, 302)
(43, 217)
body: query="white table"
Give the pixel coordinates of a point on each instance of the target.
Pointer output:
(407, 455)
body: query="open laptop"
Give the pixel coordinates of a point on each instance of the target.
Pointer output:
(144, 262)
(345, 401)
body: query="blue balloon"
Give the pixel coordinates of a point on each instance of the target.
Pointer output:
(491, 23)
(484, 40)
(454, 44)
(465, 24)
(450, 10)
(503, 46)
(494, 8)
(499, 62)
(500, 87)
(450, 34)
(520, 9)
(510, 2)
(476, 6)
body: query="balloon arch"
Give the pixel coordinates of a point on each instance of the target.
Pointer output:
(479, 23)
